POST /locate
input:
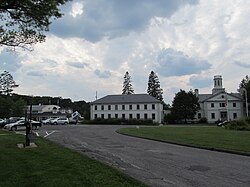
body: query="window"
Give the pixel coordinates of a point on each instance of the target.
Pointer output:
(109, 116)
(116, 107)
(123, 107)
(199, 115)
(123, 116)
(234, 104)
(138, 116)
(130, 116)
(212, 105)
(95, 116)
(102, 116)
(138, 107)
(145, 107)
(235, 115)
(130, 107)
(95, 107)
(153, 106)
(145, 116)
(102, 107)
(212, 115)
(116, 116)
(222, 105)
(109, 107)
(153, 116)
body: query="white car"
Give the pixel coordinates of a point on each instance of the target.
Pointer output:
(47, 121)
(60, 121)
(21, 125)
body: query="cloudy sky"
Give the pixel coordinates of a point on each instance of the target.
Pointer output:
(186, 42)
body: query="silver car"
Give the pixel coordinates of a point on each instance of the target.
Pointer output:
(60, 121)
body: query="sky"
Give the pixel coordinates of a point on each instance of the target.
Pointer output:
(89, 50)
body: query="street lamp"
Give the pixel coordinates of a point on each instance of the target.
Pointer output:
(246, 100)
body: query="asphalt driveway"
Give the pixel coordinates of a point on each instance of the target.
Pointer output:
(154, 163)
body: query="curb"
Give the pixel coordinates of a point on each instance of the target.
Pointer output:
(190, 145)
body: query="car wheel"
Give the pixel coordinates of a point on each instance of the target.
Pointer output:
(13, 128)
(65, 123)
(55, 123)
(34, 127)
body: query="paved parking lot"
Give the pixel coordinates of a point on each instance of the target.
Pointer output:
(154, 163)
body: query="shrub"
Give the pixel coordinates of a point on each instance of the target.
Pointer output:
(203, 120)
(114, 121)
(237, 125)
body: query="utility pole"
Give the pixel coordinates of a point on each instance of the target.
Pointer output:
(246, 101)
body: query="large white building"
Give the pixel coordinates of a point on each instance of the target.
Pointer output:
(220, 105)
(133, 106)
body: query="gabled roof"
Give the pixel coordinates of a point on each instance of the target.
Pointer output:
(122, 99)
(205, 97)
(41, 107)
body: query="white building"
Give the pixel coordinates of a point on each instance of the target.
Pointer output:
(220, 105)
(133, 106)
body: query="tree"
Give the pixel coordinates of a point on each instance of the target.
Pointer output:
(23, 22)
(185, 105)
(245, 86)
(127, 86)
(154, 88)
(6, 83)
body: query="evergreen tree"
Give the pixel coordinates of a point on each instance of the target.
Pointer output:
(127, 86)
(6, 83)
(154, 88)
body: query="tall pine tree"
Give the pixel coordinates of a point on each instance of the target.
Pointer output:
(127, 86)
(154, 88)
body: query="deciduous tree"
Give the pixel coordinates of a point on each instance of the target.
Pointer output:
(185, 105)
(23, 22)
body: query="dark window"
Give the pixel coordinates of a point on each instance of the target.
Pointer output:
(116, 116)
(234, 104)
(138, 107)
(222, 104)
(130, 107)
(145, 107)
(235, 115)
(102, 107)
(145, 116)
(213, 115)
(116, 107)
(212, 105)
(199, 115)
(95, 107)
(109, 116)
(123, 116)
(123, 107)
(95, 116)
(102, 116)
(130, 116)
(153, 116)
(138, 116)
(109, 107)
(153, 106)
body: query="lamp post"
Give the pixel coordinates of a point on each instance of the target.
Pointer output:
(246, 101)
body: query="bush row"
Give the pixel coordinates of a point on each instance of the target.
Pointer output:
(113, 121)
(242, 124)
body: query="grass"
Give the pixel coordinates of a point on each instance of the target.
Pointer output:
(205, 136)
(53, 165)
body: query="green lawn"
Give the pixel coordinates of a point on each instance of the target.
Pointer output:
(53, 165)
(205, 136)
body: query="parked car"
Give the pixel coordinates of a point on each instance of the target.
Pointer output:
(2, 123)
(221, 124)
(60, 121)
(21, 125)
(47, 121)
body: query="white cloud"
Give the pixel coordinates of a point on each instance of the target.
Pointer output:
(77, 9)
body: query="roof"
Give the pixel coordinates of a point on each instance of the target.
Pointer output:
(122, 99)
(40, 107)
(205, 97)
